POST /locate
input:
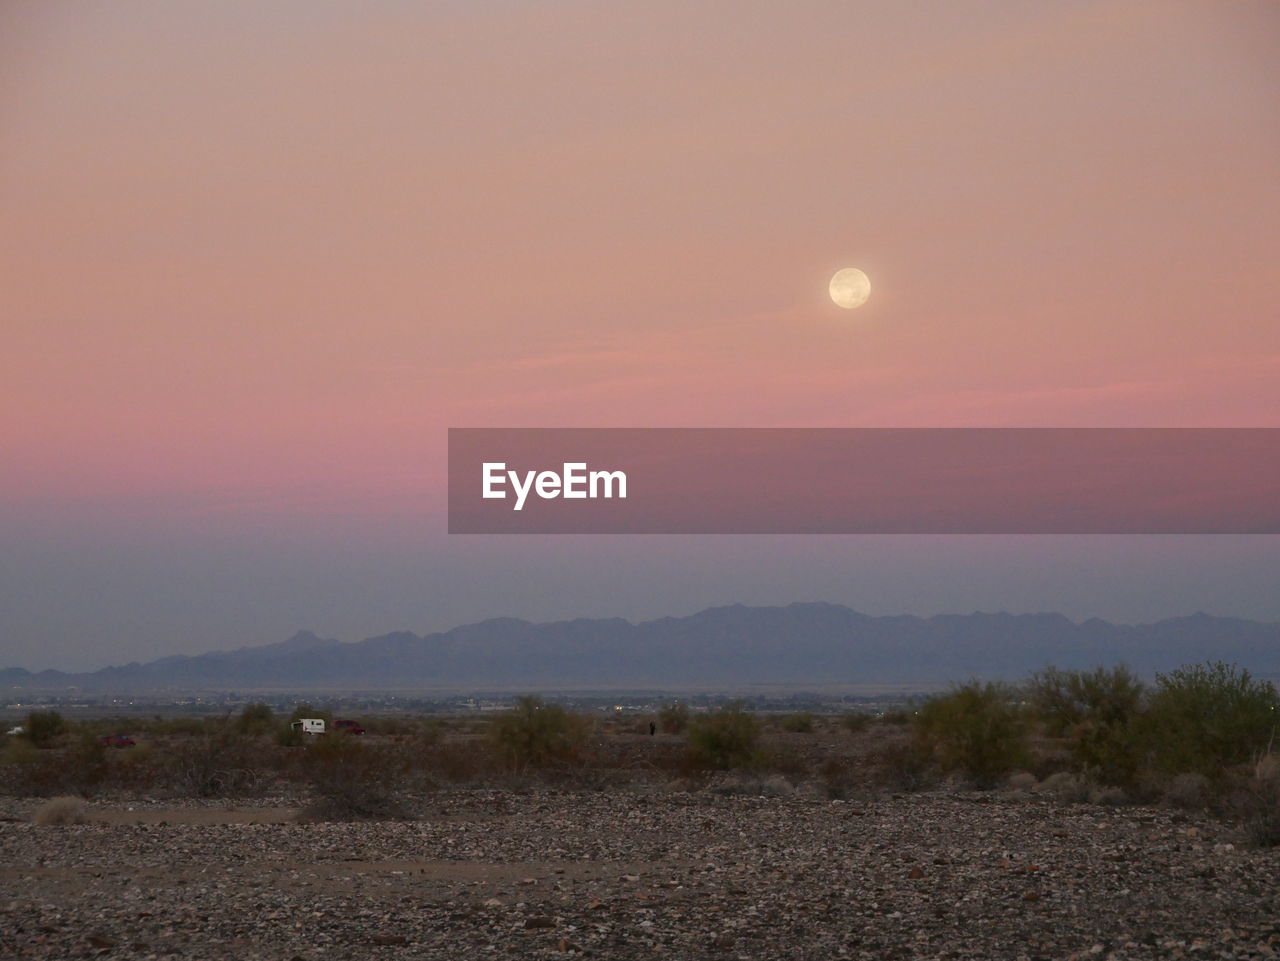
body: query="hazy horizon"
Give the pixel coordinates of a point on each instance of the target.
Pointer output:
(258, 260)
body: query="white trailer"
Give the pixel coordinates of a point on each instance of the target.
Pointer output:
(309, 725)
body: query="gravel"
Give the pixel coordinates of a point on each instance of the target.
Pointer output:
(501, 874)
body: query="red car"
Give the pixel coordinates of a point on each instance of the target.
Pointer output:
(350, 727)
(117, 740)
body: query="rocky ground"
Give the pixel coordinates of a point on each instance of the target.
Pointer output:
(633, 874)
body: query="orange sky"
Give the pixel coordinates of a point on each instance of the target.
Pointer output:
(256, 259)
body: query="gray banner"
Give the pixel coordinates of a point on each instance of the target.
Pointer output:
(864, 480)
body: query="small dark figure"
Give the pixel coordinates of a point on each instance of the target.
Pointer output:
(653, 729)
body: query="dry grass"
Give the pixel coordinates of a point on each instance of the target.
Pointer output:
(61, 810)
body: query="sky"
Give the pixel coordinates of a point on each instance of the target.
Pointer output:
(256, 259)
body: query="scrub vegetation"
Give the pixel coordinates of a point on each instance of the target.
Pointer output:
(1200, 737)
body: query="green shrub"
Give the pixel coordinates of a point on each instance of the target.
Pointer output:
(1206, 718)
(801, 723)
(723, 739)
(535, 733)
(1064, 699)
(256, 719)
(673, 718)
(42, 728)
(977, 730)
(1095, 711)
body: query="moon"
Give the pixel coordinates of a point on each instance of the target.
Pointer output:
(850, 288)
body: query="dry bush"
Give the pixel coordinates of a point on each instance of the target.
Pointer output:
(217, 763)
(79, 767)
(458, 762)
(1108, 795)
(350, 780)
(61, 810)
(1066, 787)
(855, 722)
(800, 723)
(724, 739)
(1191, 791)
(673, 718)
(256, 719)
(899, 764)
(1255, 803)
(781, 761)
(754, 785)
(838, 778)
(1021, 781)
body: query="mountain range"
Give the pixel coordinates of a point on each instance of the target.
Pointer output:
(799, 644)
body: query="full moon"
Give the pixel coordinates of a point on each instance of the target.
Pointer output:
(850, 288)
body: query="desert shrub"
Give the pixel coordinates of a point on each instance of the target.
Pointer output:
(855, 722)
(1187, 791)
(535, 733)
(1021, 781)
(901, 764)
(754, 784)
(42, 728)
(351, 780)
(723, 739)
(18, 750)
(1255, 802)
(1067, 787)
(77, 767)
(673, 718)
(426, 733)
(406, 727)
(788, 763)
(218, 762)
(1095, 711)
(86, 764)
(1064, 699)
(800, 723)
(60, 810)
(456, 762)
(1108, 795)
(256, 719)
(976, 730)
(178, 726)
(1206, 718)
(140, 768)
(837, 778)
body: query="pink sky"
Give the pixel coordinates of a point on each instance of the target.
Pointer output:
(256, 259)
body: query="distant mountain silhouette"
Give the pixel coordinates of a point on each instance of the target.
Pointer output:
(800, 644)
